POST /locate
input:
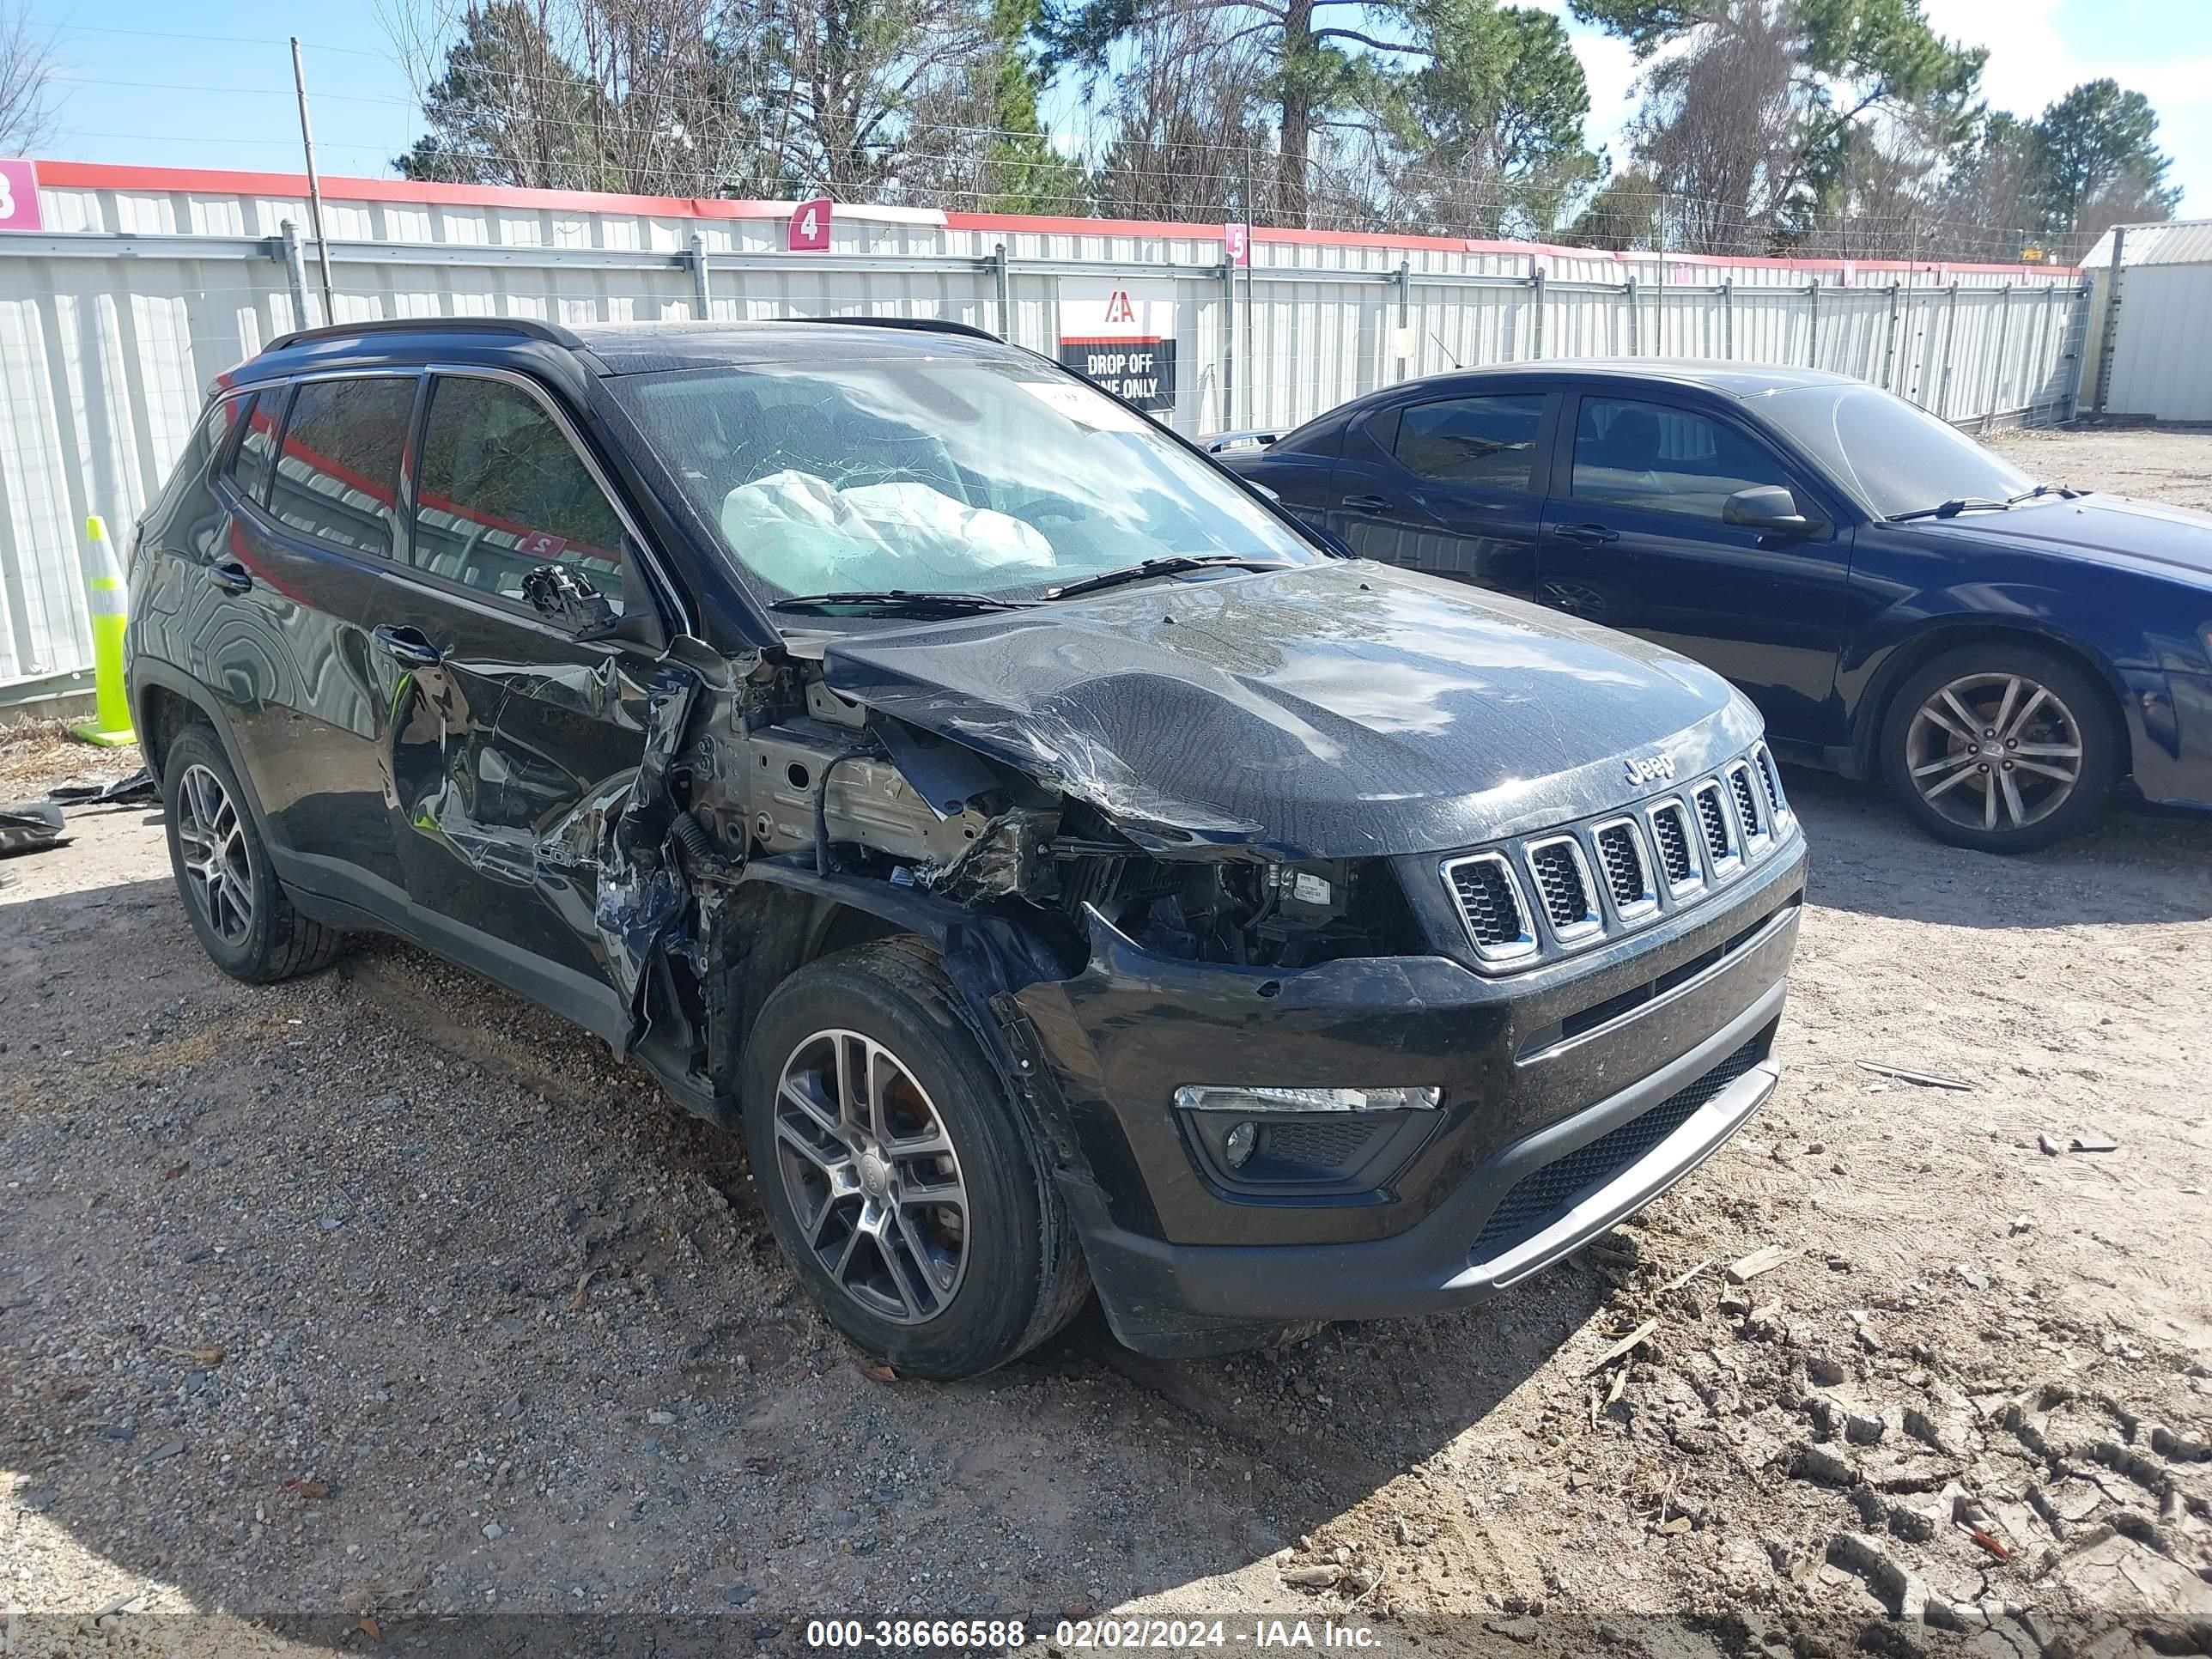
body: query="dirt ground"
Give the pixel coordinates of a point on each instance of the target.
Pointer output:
(334, 1312)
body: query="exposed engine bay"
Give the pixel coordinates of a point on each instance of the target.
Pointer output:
(812, 773)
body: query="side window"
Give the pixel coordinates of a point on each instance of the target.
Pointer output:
(337, 473)
(1488, 443)
(500, 491)
(255, 462)
(1666, 460)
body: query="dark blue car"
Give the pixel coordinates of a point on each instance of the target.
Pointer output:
(1900, 601)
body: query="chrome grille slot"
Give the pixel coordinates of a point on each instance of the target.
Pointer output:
(1627, 873)
(1712, 816)
(1489, 903)
(1770, 776)
(1749, 810)
(1670, 829)
(1563, 884)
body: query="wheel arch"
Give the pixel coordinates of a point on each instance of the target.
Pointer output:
(164, 700)
(784, 915)
(1933, 638)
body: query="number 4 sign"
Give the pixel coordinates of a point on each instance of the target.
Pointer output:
(19, 196)
(810, 228)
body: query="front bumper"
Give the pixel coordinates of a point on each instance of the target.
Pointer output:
(1186, 1299)
(1574, 1095)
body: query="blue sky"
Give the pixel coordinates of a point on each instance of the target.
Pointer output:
(139, 88)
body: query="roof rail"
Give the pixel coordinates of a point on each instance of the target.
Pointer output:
(915, 325)
(528, 328)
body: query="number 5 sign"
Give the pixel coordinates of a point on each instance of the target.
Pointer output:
(19, 196)
(809, 231)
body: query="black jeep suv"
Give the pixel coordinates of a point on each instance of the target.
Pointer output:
(1061, 868)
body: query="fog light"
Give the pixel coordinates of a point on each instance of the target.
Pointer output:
(1237, 1147)
(1226, 1098)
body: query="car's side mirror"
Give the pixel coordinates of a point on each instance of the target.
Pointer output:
(1769, 507)
(565, 597)
(1274, 495)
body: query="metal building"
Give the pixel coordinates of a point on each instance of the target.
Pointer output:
(2151, 321)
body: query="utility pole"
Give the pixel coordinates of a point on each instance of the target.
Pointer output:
(315, 181)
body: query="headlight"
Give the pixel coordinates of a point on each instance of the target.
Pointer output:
(1249, 1098)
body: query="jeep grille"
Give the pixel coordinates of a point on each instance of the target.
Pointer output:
(1564, 891)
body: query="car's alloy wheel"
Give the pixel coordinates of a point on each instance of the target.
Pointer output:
(215, 856)
(872, 1176)
(901, 1173)
(1994, 751)
(238, 911)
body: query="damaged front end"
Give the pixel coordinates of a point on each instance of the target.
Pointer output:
(1239, 981)
(772, 781)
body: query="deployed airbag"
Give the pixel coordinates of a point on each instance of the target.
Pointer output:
(806, 536)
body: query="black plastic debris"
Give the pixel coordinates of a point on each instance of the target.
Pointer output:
(139, 789)
(29, 827)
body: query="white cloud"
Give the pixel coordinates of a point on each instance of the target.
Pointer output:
(2032, 64)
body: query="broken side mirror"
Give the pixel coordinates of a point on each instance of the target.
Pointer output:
(1769, 508)
(564, 596)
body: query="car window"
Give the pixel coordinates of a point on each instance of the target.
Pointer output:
(1899, 458)
(1667, 460)
(338, 471)
(253, 465)
(1489, 443)
(500, 491)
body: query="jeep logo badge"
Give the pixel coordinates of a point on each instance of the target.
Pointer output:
(1650, 768)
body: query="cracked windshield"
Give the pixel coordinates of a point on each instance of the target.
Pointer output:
(937, 475)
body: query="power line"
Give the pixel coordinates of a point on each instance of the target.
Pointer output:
(218, 39)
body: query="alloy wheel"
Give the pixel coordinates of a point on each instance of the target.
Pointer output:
(218, 866)
(1994, 752)
(872, 1176)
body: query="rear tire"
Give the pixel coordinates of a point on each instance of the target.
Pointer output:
(240, 912)
(904, 1185)
(2002, 747)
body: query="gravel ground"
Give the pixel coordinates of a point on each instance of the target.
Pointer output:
(332, 1311)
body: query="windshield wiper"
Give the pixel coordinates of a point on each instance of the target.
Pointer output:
(1952, 509)
(897, 600)
(2067, 491)
(1170, 565)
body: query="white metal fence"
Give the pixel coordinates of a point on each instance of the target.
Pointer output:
(143, 286)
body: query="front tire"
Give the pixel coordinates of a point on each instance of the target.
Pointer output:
(2002, 747)
(904, 1184)
(240, 911)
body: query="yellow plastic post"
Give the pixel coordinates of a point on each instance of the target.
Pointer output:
(110, 727)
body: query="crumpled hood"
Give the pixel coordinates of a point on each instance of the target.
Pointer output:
(2147, 536)
(1340, 710)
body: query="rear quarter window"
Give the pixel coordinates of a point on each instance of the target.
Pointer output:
(187, 513)
(254, 461)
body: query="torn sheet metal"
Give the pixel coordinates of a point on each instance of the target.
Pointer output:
(1342, 710)
(620, 834)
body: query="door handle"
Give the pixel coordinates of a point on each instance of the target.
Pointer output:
(230, 576)
(1371, 503)
(1589, 535)
(408, 646)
